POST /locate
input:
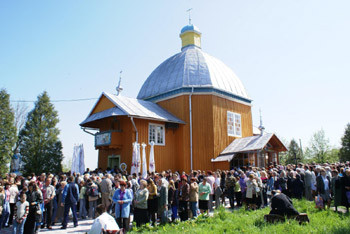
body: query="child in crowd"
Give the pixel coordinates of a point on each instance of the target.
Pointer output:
(20, 214)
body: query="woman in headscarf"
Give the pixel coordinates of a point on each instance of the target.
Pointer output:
(251, 194)
(140, 199)
(35, 198)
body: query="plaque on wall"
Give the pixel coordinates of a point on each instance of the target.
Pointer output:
(102, 139)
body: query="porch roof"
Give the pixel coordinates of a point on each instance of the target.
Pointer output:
(254, 143)
(223, 158)
(249, 145)
(134, 108)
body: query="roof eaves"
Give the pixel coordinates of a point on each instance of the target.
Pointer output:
(94, 106)
(157, 119)
(114, 102)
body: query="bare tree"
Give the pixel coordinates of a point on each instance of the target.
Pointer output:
(21, 112)
(319, 146)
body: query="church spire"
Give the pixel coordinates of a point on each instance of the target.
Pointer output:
(119, 88)
(189, 16)
(190, 34)
(261, 127)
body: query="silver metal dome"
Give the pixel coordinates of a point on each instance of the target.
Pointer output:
(192, 68)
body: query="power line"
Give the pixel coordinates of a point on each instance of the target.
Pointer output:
(63, 100)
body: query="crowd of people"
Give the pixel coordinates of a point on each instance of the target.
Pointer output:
(41, 201)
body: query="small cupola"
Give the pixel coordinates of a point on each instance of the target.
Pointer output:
(190, 35)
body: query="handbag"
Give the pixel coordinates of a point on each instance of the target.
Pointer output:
(319, 202)
(38, 209)
(257, 189)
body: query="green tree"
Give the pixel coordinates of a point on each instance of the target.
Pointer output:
(8, 134)
(333, 155)
(39, 142)
(344, 153)
(294, 153)
(319, 146)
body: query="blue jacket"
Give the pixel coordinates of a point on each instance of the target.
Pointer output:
(70, 194)
(125, 207)
(270, 184)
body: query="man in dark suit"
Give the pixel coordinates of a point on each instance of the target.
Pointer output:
(308, 181)
(70, 199)
(282, 204)
(163, 200)
(323, 184)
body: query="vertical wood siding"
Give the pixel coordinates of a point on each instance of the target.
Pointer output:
(103, 104)
(209, 119)
(220, 108)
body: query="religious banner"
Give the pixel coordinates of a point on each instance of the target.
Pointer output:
(75, 161)
(138, 159)
(81, 159)
(144, 162)
(152, 165)
(78, 162)
(134, 155)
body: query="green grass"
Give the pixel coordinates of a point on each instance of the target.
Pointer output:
(241, 221)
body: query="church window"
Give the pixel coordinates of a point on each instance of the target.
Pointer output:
(274, 157)
(156, 134)
(234, 124)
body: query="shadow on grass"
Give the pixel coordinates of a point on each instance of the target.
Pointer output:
(260, 223)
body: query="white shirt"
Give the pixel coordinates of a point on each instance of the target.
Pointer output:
(13, 193)
(313, 177)
(326, 183)
(103, 222)
(211, 180)
(21, 208)
(217, 182)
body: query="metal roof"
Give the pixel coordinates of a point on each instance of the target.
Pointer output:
(190, 27)
(245, 144)
(134, 108)
(223, 158)
(192, 68)
(104, 114)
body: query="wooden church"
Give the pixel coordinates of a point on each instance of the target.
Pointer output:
(193, 107)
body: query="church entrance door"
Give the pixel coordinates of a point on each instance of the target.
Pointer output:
(113, 161)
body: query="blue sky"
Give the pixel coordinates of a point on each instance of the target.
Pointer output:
(292, 56)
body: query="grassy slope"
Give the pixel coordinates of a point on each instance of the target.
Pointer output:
(253, 222)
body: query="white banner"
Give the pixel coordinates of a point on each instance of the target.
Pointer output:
(138, 161)
(152, 164)
(134, 155)
(144, 162)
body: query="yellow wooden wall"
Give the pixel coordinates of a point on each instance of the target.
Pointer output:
(220, 108)
(103, 104)
(122, 148)
(178, 106)
(222, 165)
(203, 132)
(164, 155)
(209, 118)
